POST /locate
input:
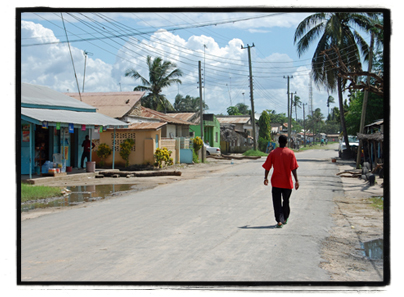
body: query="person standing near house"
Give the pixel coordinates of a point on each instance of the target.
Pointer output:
(283, 160)
(86, 152)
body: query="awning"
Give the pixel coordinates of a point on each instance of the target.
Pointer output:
(65, 117)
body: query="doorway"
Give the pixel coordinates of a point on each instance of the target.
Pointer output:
(41, 145)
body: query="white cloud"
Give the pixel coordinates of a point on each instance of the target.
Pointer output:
(51, 65)
(225, 68)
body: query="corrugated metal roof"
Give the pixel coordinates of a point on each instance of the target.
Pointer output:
(233, 119)
(376, 123)
(46, 97)
(146, 125)
(184, 116)
(112, 104)
(72, 117)
(150, 113)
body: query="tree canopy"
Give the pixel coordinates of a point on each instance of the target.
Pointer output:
(162, 74)
(188, 103)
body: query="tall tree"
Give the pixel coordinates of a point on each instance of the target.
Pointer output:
(233, 110)
(334, 29)
(330, 100)
(296, 103)
(264, 136)
(316, 120)
(161, 75)
(188, 103)
(243, 109)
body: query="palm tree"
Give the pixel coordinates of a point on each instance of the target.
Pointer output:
(316, 118)
(188, 103)
(161, 75)
(334, 29)
(296, 103)
(330, 100)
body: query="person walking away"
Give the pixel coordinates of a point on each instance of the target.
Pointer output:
(284, 164)
(86, 152)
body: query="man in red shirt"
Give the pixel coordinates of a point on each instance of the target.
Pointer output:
(283, 160)
(86, 151)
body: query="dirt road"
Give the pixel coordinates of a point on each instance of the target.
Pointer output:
(355, 220)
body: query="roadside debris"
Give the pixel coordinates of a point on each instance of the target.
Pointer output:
(138, 174)
(234, 157)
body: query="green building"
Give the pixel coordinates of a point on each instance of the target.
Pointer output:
(211, 130)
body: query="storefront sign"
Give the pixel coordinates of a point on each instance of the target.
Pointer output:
(71, 128)
(25, 133)
(44, 125)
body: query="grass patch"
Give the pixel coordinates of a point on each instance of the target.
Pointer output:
(254, 153)
(377, 202)
(32, 192)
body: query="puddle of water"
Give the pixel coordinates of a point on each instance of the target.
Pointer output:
(79, 195)
(374, 249)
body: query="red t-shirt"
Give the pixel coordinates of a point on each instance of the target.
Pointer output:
(86, 144)
(284, 161)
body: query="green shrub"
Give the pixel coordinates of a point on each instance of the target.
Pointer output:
(103, 152)
(126, 149)
(262, 143)
(195, 158)
(256, 153)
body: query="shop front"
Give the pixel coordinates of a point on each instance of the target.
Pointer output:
(53, 127)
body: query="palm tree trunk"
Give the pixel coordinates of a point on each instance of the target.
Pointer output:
(341, 114)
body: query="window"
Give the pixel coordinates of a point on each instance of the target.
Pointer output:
(157, 141)
(216, 137)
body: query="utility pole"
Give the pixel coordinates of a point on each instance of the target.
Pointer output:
(365, 102)
(304, 126)
(85, 63)
(311, 103)
(288, 77)
(201, 110)
(290, 115)
(252, 96)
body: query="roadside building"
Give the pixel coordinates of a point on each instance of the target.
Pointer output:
(54, 125)
(211, 129)
(372, 144)
(236, 133)
(144, 124)
(146, 136)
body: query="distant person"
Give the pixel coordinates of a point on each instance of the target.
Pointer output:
(86, 152)
(283, 160)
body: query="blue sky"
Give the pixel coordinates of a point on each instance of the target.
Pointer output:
(180, 38)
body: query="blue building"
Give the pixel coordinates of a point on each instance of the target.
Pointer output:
(54, 124)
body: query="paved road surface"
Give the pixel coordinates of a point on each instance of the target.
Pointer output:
(217, 228)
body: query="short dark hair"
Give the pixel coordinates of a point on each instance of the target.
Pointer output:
(283, 139)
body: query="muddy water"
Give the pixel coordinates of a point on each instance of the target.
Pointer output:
(374, 249)
(79, 195)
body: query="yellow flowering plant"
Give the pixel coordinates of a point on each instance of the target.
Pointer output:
(103, 152)
(197, 143)
(163, 156)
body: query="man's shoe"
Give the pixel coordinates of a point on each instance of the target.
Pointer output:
(285, 222)
(279, 225)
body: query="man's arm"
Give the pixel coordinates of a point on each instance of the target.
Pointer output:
(296, 180)
(266, 177)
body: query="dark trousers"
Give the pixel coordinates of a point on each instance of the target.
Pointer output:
(83, 156)
(282, 210)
